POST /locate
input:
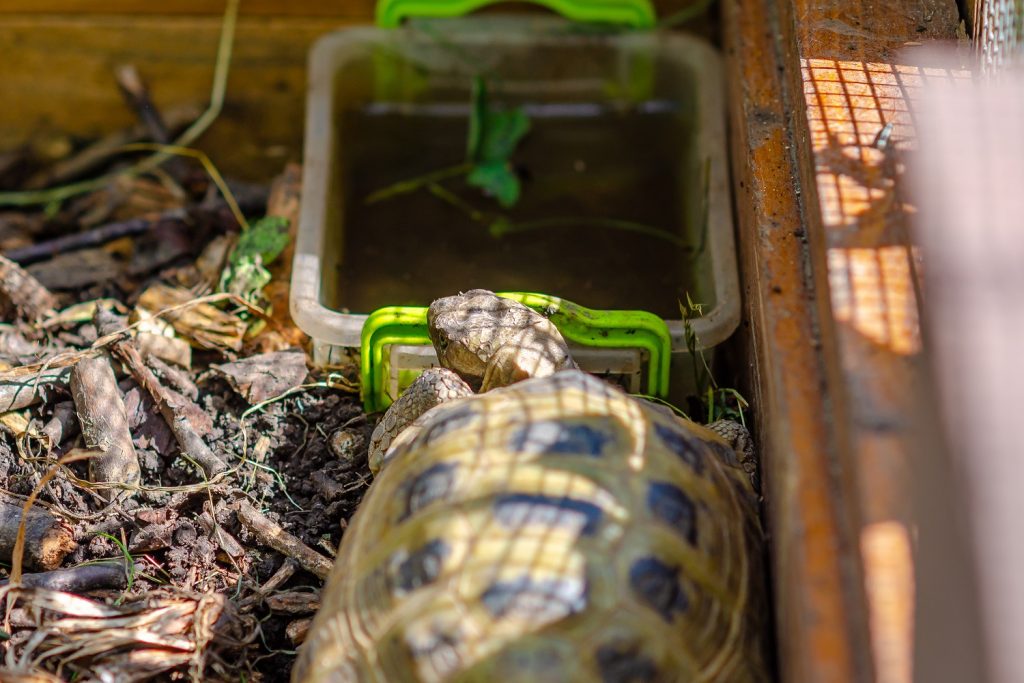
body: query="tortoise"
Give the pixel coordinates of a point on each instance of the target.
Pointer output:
(550, 528)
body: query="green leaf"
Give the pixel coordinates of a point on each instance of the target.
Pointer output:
(502, 132)
(246, 274)
(245, 278)
(496, 179)
(265, 238)
(493, 135)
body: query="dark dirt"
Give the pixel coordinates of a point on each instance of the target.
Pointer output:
(293, 475)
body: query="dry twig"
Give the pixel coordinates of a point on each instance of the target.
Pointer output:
(80, 579)
(273, 536)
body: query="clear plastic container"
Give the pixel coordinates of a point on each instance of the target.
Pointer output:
(628, 129)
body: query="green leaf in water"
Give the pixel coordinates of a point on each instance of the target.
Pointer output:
(493, 137)
(496, 179)
(502, 132)
(477, 115)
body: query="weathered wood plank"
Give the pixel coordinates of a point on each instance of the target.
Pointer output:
(351, 10)
(820, 612)
(57, 75)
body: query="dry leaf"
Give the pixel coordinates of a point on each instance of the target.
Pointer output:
(204, 325)
(258, 378)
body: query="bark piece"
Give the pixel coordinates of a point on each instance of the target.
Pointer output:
(258, 378)
(79, 269)
(20, 389)
(298, 630)
(293, 602)
(48, 539)
(22, 296)
(231, 547)
(272, 535)
(85, 577)
(149, 428)
(104, 422)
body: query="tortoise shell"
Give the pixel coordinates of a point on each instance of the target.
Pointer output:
(556, 529)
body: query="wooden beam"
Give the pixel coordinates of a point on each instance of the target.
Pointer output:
(857, 91)
(820, 612)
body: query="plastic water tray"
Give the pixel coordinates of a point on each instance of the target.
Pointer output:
(628, 129)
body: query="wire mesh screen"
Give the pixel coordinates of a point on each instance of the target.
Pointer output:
(999, 32)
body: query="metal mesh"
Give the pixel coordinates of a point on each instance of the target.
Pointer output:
(999, 32)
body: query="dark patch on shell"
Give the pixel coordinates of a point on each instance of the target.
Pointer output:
(541, 601)
(449, 422)
(429, 486)
(620, 663)
(689, 449)
(518, 510)
(670, 504)
(410, 571)
(561, 437)
(657, 585)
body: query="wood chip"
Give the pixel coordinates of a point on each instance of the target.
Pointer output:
(20, 389)
(48, 539)
(168, 349)
(298, 630)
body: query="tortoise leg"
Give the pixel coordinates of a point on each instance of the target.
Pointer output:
(737, 436)
(432, 388)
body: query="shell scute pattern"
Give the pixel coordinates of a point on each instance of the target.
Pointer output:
(553, 530)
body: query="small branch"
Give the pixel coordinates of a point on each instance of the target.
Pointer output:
(135, 92)
(102, 151)
(95, 237)
(175, 377)
(273, 536)
(63, 424)
(48, 539)
(251, 200)
(104, 422)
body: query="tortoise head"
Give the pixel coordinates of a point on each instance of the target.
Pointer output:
(478, 331)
